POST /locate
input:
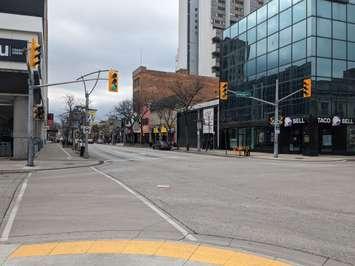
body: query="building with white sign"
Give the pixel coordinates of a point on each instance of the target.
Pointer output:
(20, 21)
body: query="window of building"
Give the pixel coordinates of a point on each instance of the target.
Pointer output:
(285, 55)
(324, 67)
(324, 47)
(299, 50)
(262, 30)
(339, 49)
(311, 8)
(311, 46)
(273, 59)
(252, 51)
(299, 31)
(234, 30)
(262, 14)
(261, 47)
(242, 25)
(339, 30)
(323, 27)
(251, 67)
(351, 32)
(351, 13)
(251, 20)
(285, 37)
(261, 64)
(273, 42)
(273, 8)
(351, 51)
(311, 26)
(285, 4)
(299, 11)
(324, 8)
(339, 11)
(339, 66)
(285, 19)
(252, 35)
(273, 25)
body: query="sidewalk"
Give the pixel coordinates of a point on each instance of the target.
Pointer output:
(270, 156)
(51, 157)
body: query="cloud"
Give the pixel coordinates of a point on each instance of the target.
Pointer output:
(85, 36)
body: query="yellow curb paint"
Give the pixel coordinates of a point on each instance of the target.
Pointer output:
(34, 250)
(71, 248)
(108, 246)
(182, 251)
(212, 255)
(142, 247)
(176, 250)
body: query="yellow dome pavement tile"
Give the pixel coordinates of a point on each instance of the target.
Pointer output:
(34, 250)
(244, 259)
(142, 247)
(211, 255)
(108, 246)
(176, 250)
(71, 248)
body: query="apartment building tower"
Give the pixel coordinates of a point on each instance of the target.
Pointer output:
(201, 25)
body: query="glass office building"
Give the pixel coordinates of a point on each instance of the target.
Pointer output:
(291, 40)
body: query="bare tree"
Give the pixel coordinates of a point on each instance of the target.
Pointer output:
(141, 106)
(187, 94)
(124, 112)
(67, 118)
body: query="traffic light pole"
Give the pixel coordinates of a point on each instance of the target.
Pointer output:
(30, 162)
(276, 104)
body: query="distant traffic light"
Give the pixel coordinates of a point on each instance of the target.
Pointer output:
(35, 54)
(113, 81)
(223, 90)
(307, 88)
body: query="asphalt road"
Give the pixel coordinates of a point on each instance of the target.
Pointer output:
(296, 205)
(303, 212)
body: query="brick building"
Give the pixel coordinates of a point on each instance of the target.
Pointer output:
(148, 82)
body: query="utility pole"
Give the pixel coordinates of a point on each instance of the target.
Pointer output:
(276, 121)
(276, 105)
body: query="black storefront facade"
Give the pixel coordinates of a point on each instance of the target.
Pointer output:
(289, 41)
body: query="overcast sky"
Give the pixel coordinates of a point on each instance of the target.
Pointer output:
(85, 36)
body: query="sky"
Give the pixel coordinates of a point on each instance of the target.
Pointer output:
(85, 36)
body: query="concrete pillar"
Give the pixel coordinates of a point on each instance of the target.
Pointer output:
(20, 128)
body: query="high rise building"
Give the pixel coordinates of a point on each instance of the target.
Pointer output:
(201, 25)
(20, 22)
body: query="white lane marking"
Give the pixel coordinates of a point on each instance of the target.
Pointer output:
(165, 216)
(6, 232)
(69, 156)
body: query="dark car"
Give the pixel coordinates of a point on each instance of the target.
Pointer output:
(162, 145)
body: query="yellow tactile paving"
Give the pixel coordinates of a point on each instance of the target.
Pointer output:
(108, 246)
(34, 250)
(212, 255)
(176, 250)
(182, 251)
(70, 248)
(142, 247)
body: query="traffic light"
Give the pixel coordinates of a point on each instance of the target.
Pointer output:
(307, 88)
(223, 90)
(113, 81)
(35, 54)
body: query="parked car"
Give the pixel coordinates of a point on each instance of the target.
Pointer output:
(162, 145)
(90, 141)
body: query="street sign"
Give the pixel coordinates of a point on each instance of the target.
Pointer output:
(86, 130)
(242, 94)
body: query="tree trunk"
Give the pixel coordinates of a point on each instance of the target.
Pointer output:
(186, 132)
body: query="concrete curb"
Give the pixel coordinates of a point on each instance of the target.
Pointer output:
(24, 171)
(268, 158)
